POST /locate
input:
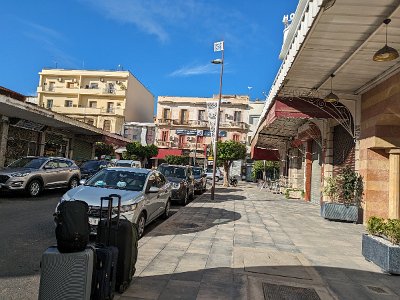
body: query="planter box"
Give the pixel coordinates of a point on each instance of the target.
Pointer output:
(293, 194)
(382, 253)
(341, 212)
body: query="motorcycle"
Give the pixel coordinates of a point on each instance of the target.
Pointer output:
(233, 181)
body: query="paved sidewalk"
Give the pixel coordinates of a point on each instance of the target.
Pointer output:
(249, 244)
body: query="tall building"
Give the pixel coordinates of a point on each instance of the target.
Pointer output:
(104, 99)
(144, 133)
(182, 122)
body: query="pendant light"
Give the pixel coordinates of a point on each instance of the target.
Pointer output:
(386, 53)
(331, 97)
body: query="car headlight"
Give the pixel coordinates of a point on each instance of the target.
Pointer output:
(20, 174)
(128, 207)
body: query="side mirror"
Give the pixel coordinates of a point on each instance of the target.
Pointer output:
(154, 189)
(82, 181)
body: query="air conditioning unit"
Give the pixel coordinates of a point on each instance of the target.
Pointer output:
(74, 80)
(117, 82)
(102, 79)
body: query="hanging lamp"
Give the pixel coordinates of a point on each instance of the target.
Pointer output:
(386, 53)
(331, 97)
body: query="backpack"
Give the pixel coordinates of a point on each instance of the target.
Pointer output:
(72, 230)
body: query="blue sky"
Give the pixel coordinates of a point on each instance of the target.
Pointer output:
(166, 44)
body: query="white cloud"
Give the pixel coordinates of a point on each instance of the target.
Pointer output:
(195, 70)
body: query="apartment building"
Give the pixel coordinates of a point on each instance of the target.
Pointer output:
(145, 133)
(182, 122)
(104, 99)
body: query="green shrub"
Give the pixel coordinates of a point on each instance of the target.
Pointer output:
(376, 226)
(392, 230)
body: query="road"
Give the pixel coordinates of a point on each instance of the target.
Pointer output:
(27, 229)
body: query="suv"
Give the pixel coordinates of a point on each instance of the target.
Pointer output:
(35, 173)
(91, 167)
(182, 181)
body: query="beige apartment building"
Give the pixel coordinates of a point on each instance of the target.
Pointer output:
(182, 123)
(104, 99)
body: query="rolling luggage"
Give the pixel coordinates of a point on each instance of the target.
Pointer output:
(66, 275)
(106, 264)
(123, 234)
(72, 231)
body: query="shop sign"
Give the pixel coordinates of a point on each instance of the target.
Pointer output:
(186, 132)
(222, 133)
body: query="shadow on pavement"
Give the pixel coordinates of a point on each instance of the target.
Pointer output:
(283, 282)
(220, 196)
(200, 218)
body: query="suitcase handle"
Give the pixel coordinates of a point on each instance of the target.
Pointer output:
(110, 199)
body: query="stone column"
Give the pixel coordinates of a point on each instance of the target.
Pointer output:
(3, 139)
(394, 184)
(42, 143)
(308, 171)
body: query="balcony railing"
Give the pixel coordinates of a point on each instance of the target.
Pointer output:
(232, 124)
(163, 143)
(82, 90)
(88, 110)
(164, 121)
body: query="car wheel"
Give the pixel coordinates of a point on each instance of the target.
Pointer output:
(141, 222)
(167, 209)
(185, 199)
(34, 187)
(73, 183)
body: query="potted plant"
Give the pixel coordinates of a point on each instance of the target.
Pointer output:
(382, 244)
(345, 191)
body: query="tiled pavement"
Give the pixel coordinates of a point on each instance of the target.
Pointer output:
(230, 248)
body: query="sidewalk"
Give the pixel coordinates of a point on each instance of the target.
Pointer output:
(251, 244)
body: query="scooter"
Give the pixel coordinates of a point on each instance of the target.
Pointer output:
(233, 181)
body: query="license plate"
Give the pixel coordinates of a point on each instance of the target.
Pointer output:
(94, 221)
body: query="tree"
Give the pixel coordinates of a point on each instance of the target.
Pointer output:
(103, 149)
(270, 167)
(136, 150)
(227, 152)
(177, 160)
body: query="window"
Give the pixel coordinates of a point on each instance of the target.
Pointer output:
(107, 125)
(166, 114)
(49, 103)
(254, 120)
(93, 104)
(202, 115)
(70, 85)
(51, 86)
(164, 136)
(94, 85)
(110, 107)
(236, 137)
(68, 103)
(52, 164)
(237, 117)
(184, 116)
(63, 164)
(110, 88)
(182, 139)
(200, 140)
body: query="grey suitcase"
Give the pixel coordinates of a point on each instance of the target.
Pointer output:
(66, 275)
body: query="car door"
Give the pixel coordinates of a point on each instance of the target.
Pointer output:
(51, 176)
(151, 202)
(65, 171)
(163, 194)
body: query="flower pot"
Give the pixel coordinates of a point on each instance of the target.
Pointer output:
(382, 253)
(341, 212)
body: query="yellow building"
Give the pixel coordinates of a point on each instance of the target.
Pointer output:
(104, 99)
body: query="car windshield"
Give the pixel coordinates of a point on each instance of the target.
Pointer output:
(171, 171)
(196, 172)
(28, 162)
(118, 179)
(91, 164)
(124, 165)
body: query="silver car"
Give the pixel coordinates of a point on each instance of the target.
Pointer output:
(145, 195)
(34, 173)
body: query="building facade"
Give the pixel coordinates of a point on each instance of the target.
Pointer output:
(104, 99)
(182, 122)
(144, 133)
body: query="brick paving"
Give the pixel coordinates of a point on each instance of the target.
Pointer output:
(239, 244)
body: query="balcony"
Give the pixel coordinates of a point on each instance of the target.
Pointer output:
(164, 121)
(199, 123)
(83, 91)
(87, 110)
(233, 124)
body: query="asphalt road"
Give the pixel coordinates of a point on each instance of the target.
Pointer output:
(26, 230)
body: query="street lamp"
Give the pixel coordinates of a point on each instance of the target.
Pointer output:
(219, 46)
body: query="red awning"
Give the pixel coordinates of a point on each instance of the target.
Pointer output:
(264, 154)
(162, 153)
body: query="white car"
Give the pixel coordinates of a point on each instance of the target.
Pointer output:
(128, 163)
(218, 174)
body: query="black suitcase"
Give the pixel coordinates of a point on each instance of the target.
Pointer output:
(123, 234)
(106, 263)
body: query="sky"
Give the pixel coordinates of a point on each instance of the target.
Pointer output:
(166, 44)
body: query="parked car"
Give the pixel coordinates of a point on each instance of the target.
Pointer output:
(146, 195)
(182, 181)
(91, 167)
(200, 180)
(128, 163)
(218, 174)
(33, 174)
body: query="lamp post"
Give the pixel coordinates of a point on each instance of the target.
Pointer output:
(219, 46)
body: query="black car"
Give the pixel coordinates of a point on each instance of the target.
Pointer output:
(200, 180)
(182, 181)
(91, 167)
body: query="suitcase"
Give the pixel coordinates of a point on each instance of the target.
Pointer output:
(106, 264)
(123, 234)
(66, 275)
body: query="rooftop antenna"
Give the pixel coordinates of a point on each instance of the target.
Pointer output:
(83, 64)
(55, 62)
(120, 68)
